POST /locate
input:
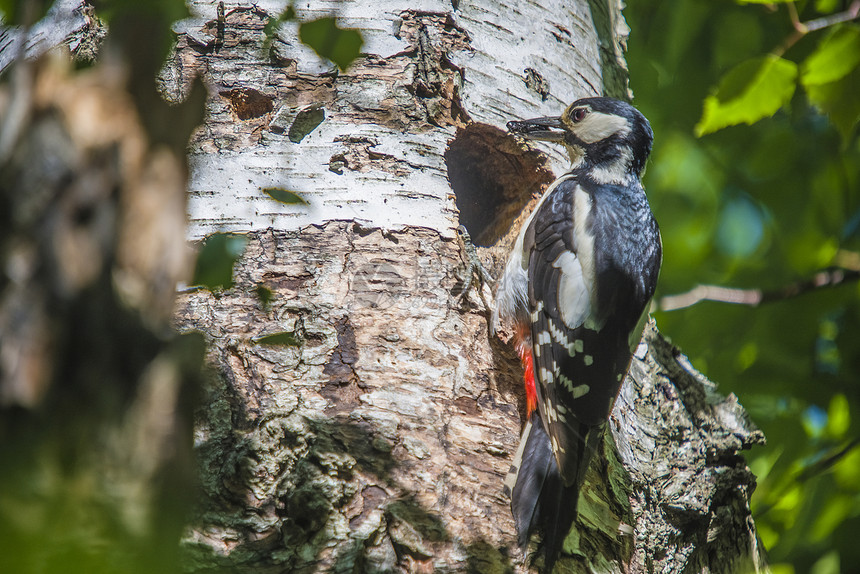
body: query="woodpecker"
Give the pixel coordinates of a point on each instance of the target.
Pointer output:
(577, 286)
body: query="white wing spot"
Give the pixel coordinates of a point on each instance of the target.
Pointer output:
(557, 334)
(568, 384)
(543, 338)
(588, 360)
(580, 391)
(535, 315)
(546, 376)
(578, 345)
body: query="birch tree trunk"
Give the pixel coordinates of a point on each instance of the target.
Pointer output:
(376, 436)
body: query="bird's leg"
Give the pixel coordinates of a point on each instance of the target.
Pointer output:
(474, 269)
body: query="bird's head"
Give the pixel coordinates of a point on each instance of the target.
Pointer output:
(598, 133)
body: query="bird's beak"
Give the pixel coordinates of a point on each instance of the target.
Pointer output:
(543, 129)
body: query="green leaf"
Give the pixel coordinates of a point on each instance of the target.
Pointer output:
(265, 295)
(847, 472)
(826, 6)
(340, 45)
(829, 563)
(306, 121)
(838, 417)
(781, 568)
(214, 269)
(284, 196)
(839, 101)
(163, 10)
(834, 58)
(750, 91)
(284, 338)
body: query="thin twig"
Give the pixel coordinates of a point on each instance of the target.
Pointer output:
(833, 19)
(801, 29)
(809, 472)
(754, 297)
(826, 463)
(795, 19)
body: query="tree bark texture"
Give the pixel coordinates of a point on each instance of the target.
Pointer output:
(361, 418)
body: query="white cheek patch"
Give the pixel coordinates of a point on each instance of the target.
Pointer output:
(573, 299)
(598, 126)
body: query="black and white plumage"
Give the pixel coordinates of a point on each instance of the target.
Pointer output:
(578, 283)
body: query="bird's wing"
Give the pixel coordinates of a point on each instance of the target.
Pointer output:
(576, 374)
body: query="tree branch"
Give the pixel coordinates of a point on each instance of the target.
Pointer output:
(811, 471)
(826, 463)
(754, 297)
(833, 19)
(801, 29)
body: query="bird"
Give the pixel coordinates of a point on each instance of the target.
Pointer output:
(577, 286)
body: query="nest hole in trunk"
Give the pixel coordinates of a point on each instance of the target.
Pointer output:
(493, 177)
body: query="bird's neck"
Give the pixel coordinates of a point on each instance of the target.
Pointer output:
(608, 166)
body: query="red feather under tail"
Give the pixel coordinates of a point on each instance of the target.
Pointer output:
(524, 350)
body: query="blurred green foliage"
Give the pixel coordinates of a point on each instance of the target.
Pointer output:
(215, 260)
(285, 196)
(323, 35)
(755, 180)
(340, 45)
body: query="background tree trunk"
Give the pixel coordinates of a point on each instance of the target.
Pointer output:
(375, 435)
(96, 391)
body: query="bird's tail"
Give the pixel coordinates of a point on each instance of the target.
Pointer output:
(540, 501)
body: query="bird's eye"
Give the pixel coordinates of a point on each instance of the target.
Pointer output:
(578, 114)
